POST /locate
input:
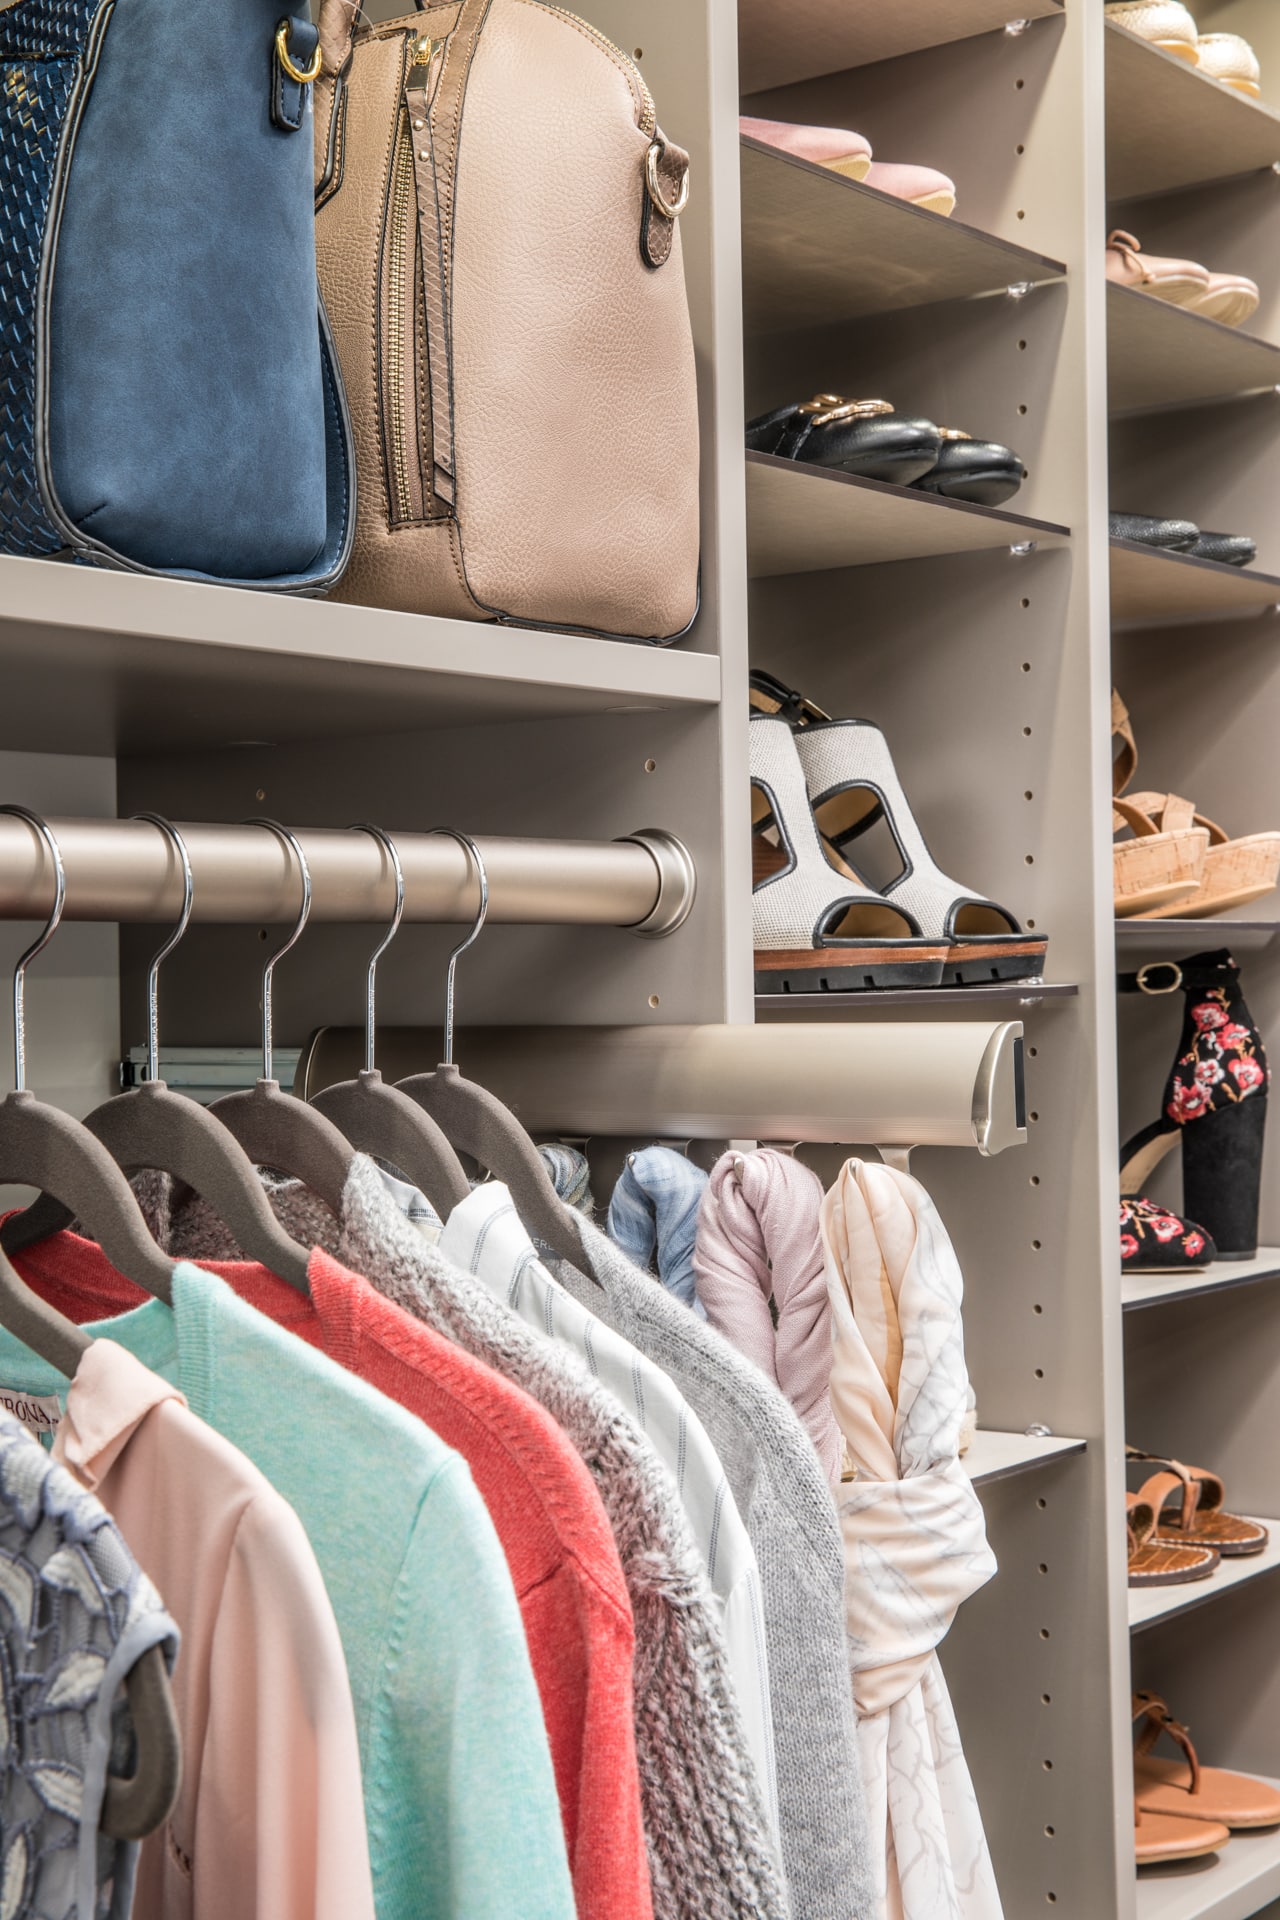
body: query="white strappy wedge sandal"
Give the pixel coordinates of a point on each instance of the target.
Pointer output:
(852, 784)
(818, 927)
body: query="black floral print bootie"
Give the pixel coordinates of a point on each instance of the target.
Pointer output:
(1215, 1102)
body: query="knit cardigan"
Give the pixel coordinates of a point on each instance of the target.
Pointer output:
(778, 1483)
(710, 1854)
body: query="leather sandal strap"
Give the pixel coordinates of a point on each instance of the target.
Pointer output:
(1125, 764)
(1158, 1490)
(1210, 1491)
(1151, 1708)
(1140, 1521)
(1125, 243)
(1175, 814)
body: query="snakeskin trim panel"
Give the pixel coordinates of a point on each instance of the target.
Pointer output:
(41, 47)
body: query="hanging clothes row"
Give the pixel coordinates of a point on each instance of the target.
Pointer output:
(506, 1583)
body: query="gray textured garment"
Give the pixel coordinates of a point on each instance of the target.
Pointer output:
(707, 1833)
(778, 1484)
(77, 1614)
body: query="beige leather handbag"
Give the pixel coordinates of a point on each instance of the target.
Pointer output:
(500, 258)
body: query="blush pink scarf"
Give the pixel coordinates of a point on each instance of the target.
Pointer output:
(758, 1240)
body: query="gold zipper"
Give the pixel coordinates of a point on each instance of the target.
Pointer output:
(401, 248)
(648, 112)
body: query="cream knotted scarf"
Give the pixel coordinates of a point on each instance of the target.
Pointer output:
(915, 1539)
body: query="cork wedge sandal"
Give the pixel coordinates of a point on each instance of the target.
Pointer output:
(1184, 1790)
(1157, 867)
(1151, 1562)
(1235, 872)
(1187, 1503)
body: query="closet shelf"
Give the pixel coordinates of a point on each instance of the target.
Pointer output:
(1242, 1880)
(997, 1456)
(824, 38)
(1138, 1290)
(818, 250)
(1170, 126)
(1197, 936)
(803, 519)
(99, 662)
(1151, 587)
(809, 1006)
(1148, 1605)
(1159, 355)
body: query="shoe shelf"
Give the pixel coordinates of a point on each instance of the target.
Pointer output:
(1018, 993)
(1232, 1885)
(1159, 355)
(1243, 936)
(805, 519)
(1140, 1290)
(998, 1456)
(1150, 586)
(1150, 1605)
(825, 36)
(1169, 126)
(818, 250)
(116, 661)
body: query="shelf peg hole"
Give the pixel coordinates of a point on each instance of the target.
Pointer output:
(1039, 1373)
(1022, 346)
(651, 766)
(1042, 1503)
(1050, 1832)
(1026, 733)
(1022, 406)
(1044, 1631)
(637, 53)
(1035, 1180)
(1035, 1246)
(1037, 1308)
(1029, 859)
(1046, 1700)
(1044, 1568)
(1019, 148)
(654, 1001)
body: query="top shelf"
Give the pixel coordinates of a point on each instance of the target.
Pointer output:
(810, 37)
(1170, 126)
(818, 250)
(101, 662)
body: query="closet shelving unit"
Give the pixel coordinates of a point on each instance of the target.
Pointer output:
(980, 641)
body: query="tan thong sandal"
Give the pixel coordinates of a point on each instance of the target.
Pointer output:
(1184, 1790)
(1151, 1563)
(1235, 872)
(1160, 1837)
(1197, 1518)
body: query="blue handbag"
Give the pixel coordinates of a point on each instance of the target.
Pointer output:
(170, 400)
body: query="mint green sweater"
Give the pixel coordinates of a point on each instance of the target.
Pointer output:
(459, 1794)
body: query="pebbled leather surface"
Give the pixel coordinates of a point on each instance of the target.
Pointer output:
(40, 48)
(1148, 531)
(187, 396)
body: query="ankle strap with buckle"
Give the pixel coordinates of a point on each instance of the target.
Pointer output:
(1168, 976)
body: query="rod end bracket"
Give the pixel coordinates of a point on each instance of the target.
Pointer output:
(677, 881)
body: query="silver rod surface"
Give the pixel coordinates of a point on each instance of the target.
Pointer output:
(909, 1084)
(123, 870)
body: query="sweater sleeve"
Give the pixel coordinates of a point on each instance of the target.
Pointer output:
(280, 1830)
(465, 1794)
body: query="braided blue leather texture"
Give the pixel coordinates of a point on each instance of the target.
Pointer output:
(41, 46)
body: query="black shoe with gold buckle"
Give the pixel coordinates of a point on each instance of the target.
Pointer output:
(863, 437)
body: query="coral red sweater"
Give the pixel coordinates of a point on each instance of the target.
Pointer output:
(544, 1506)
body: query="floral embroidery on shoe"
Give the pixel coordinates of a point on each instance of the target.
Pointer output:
(1152, 1236)
(1224, 1063)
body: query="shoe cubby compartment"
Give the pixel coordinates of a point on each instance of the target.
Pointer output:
(1168, 126)
(1160, 356)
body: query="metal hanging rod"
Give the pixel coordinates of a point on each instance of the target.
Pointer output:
(954, 1084)
(126, 870)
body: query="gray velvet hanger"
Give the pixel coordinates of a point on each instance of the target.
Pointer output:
(275, 1129)
(34, 1144)
(149, 1127)
(378, 1119)
(477, 1122)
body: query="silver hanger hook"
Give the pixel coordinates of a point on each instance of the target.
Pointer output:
(388, 846)
(37, 946)
(463, 840)
(179, 846)
(294, 845)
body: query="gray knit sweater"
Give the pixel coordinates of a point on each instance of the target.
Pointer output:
(778, 1484)
(710, 1853)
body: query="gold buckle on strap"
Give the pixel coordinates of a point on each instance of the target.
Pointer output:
(1159, 966)
(670, 210)
(826, 407)
(303, 75)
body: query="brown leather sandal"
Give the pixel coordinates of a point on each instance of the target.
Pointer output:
(1158, 1837)
(1151, 1563)
(1185, 1790)
(1197, 1519)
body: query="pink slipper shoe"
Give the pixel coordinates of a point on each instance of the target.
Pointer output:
(1179, 281)
(1229, 297)
(922, 186)
(834, 147)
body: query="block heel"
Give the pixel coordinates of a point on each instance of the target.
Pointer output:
(1222, 1176)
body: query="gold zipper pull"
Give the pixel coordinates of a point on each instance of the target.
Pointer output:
(422, 52)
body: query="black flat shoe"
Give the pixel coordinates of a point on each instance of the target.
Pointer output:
(1177, 536)
(969, 469)
(864, 437)
(1232, 549)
